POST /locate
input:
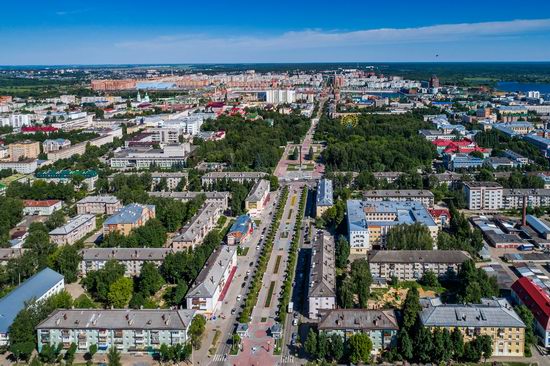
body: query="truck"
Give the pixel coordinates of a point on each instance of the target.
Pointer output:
(526, 247)
(290, 307)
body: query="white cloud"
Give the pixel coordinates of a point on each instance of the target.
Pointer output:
(319, 39)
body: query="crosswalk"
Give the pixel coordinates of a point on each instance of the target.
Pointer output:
(219, 357)
(287, 359)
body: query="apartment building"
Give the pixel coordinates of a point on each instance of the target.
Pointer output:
(6, 254)
(128, 218)
(194, 232)
(219, 198)
(483, 195)
(321, 292)
(370, 221)
(380, 325)
(422, 196)
(411, 265)
(258, 197)
(24, 150)
(513, 198)
(126, 330)
(94, 259)
(169, 156)
(240, 177)
(38, 288)
(493, 317)
(537, 300)
(75, 229)
(172, 179)
(98, 205)
(324, 198)
(210, 287)
(66, 176)
(42, 207)
(25, 166)
(50, 145)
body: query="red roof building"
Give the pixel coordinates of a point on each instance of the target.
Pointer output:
(537, 300)
(34, 129)
(441, 216)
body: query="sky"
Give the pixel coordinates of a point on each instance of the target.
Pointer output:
(57, 32)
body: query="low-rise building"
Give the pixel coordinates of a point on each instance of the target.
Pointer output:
(194, 232)
(407, 265)
(239, 177)
(210, 287)
(380, 325)
(170, 156)
(219, 198)
(50, 145)
(10, 253)
(370, 221)
(128, 218)
(172, 179)
(324, 198)
(493, 317)
(89, 177)
(240, 231)
(74, 230)
(25, 166)
(94, 259)
(38, 288)
(321, 292)
(483, 195)
(423, 196)
(126, 330)
(42, 207)
(98, 205)
(258, 197)
(537, 300)
(24, 150)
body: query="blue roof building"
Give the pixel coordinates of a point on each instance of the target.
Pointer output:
(538, 225)
(324, 199)
(370, 221)
(240, 230)
(543, 144)
(129, 217)
(39, 287)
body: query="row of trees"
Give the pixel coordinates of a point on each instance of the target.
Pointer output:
(355, 349)
(355, 285)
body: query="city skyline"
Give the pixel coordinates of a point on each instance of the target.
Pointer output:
(136, 33)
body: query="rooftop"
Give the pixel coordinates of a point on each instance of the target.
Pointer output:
(72, 224)
(33, 288)
(359, 319)
(99, 199)
(322, 280)
(211, 275)
(129, 214)
(398, 193)
(325, 193)
(257, 192)
(417, 256)
(125, 254)
(118, 319)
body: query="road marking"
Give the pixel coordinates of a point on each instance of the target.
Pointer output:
(218, 357)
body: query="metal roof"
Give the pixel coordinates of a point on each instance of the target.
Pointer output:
(128, 214)
(33, 288)
(325, 193)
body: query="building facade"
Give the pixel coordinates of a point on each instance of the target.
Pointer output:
(483, 195)
(128, 218)
(258, 197)
(98, 205)
(537, 300)
(322, 276)
(324, 198)
(42, 207)
(422, 196)
(74, 230)
(94, 259)
(194, 232)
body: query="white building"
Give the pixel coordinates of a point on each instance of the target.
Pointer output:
(483, 195)
(322, 277)
(168, 157)
(280, 96)
(16, 120)
(98, 205)
(257, 198)
(42, 207)
(207, 293)
(74, 230)
(27, 166)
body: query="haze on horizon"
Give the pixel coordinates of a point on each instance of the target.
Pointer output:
(139, 32)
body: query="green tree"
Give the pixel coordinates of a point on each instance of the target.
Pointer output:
(310, 345)
(405, 345)
(150, 279)
(67, 260)
(457, 341)
(92, 350)
(423, 345)
(362, 279)
(84, 302)
(336, 347)
(411, 308)
(529, 320)
(429, 279)
(196, 330)
(55, 220)
(342, 252)
(360, 347)
(409, 237)
(120, 292)
(114, 357)
(322, 345)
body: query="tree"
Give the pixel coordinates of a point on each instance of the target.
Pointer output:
(55, 220)
(67, 260)
(150, 279)
(409, 237)
(342, 252)
(196, 330)
(429, 279)
(336, 347)
(98, 282)
(310, 345)
(273, 183)
(120, 292)
(92, 350)
(49, 353)
(527, 317)
(360, 346)
(423, 345)
(114, 357)
(322, 345)
(84, 302)
(457, 342)
(69, 355)
(411, 308)
(362, 279)
(405, 345)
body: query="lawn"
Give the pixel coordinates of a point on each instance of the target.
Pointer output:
(270, 294)
(242, 251)
(277, 264)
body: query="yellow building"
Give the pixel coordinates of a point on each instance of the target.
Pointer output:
(128, 218)
(25, 149)
(493, 317)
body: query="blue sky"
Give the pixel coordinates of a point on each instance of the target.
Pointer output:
(218, 31)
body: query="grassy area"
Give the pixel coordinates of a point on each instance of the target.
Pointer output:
(257, 222)
(296, 167)
(277, 264)
(242, 251)
(217, 336)
(12, 178)
(269, 294)
(289, 214)
(277, 350)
